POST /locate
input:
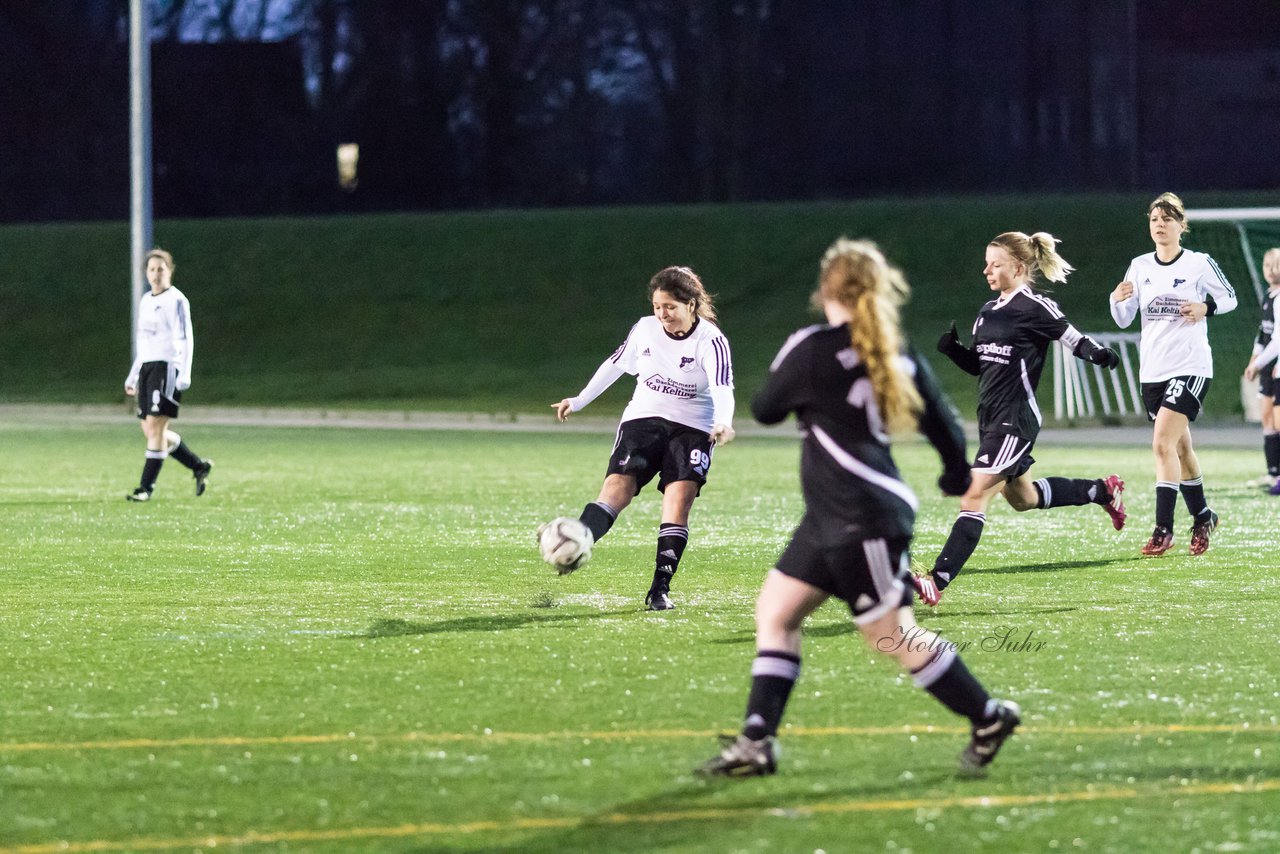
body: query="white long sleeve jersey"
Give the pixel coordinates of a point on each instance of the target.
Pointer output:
(687, 380)
(164, 334)
(1172, 345)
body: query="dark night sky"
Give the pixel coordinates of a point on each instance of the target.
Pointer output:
(555, 102)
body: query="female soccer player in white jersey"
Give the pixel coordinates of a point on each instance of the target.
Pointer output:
(161, 373)
(851, 383)
(682, 407)
(1175, 289)
(1265, 368)
(1010, 339)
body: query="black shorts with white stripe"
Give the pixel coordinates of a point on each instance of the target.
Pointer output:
(1268, 385)
(1184, 394)
(649, 446)
(871, 576)
(157, 390)
(1003, 454)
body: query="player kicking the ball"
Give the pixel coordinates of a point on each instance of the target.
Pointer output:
(681, 409)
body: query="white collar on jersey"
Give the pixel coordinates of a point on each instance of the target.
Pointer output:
(1004, 298)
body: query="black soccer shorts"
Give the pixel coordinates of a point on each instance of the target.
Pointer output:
(871, 576)
(1003, 454)
(1184, 394)
(157, 392)
(649, 446)
(1268, 385)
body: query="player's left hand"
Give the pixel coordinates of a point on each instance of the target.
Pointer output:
(1107, 358)
(1193, 311)
(722, 434)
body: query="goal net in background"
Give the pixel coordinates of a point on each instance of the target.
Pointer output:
(1237, 238)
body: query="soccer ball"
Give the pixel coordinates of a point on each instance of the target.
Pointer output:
(565, 543)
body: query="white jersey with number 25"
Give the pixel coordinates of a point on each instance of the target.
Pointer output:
(1172, 345)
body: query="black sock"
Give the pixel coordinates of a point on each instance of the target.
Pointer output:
(186, 456)
(1069, 492)
(951, 683)
(1271, 449)
(773, 674)
(1166, 502)
(1193, 495)
(598, 517)
(151, 469)
(963, 539)
(671, 542)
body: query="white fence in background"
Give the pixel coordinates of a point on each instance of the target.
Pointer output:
(1082, 390)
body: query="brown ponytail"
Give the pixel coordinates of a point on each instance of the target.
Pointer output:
(684, 284)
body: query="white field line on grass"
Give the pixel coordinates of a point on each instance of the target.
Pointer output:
(608, 735)
(24, 414)
(406, 830)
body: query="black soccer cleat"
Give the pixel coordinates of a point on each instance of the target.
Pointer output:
(202, 474)
(139, 494)
(658, 600)
(741, 757)
(987, 738)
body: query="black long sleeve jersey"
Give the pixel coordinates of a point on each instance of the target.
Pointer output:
(851, 485)
(1267, 327)
(1010, 337)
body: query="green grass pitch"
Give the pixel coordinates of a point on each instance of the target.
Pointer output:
(350, 643)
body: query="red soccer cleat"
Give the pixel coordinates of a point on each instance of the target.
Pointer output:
(1200, 534)
(927, 589)
(1115, 500)
(1161, 541)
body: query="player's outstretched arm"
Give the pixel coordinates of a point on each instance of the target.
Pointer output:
(964, 357)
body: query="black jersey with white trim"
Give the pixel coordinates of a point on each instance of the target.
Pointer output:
(1011, 336)
(1267, 327)
(852, 487)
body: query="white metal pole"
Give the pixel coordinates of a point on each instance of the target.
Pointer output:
(140, 220)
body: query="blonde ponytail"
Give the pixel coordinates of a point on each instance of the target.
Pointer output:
(855, 274)
(1038, 253)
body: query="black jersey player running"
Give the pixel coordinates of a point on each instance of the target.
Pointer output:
(1010, 339)
(851, 383)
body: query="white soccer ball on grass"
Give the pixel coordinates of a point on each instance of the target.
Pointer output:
(565, 543)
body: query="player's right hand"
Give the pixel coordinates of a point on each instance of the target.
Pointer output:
(949, 341)
(1123, 291)
(562, 409)
(130, 390)
(955, 482)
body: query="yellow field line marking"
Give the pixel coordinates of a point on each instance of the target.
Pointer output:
(601, 735)
(617, 819)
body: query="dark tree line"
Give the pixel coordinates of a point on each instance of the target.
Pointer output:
(476, 103)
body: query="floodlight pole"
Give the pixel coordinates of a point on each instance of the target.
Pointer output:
(140, 221)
